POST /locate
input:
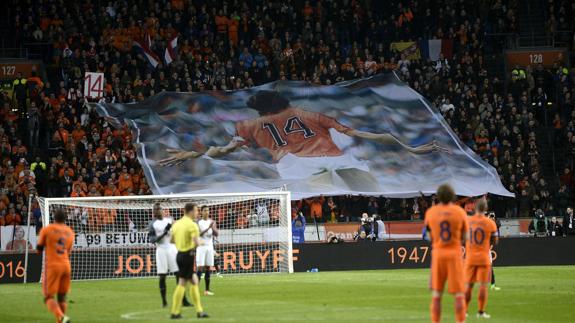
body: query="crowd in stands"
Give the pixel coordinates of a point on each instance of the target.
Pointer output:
(53, 144)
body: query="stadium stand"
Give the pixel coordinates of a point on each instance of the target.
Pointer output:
(51, 142)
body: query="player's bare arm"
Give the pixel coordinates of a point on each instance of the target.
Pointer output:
(494, 239)
(198, 242)
(178, 156)
(215, 230)
(390, 139)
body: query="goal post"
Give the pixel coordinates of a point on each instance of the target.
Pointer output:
(112, 232)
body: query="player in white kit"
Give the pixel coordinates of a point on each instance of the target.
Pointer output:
(159, 232)
(205, 252)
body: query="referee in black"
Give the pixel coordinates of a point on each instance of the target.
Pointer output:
(185, 235)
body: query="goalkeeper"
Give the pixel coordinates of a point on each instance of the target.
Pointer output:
(186, 236)
(159, 232)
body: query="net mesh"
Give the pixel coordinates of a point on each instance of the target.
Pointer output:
(112, 233)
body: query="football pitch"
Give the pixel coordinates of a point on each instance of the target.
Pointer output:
(528, 294)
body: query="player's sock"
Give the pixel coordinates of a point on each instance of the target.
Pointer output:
(177, 300)
(435, 309)
(208, 275)
(492, 276)
(482, 298)
(54, 308)
(195, 293)
(199, 274)
(163, 289)
(460, 308)
(186, 295)
(63, 306)
(468, 293)
(62, 303)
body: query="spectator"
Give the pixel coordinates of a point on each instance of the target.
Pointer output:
(298, 228)
(111, 189)
(554, 228)
(77, 192)
(235, 46)
(330, 210)
(569, 222)
(12, 218)
(315, 208)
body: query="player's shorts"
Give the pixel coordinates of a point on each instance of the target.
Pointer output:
(294, 167)
(166, 259)
(205, 256)
(478, 274)
(447, 268)
(185, 261)
(57, 280)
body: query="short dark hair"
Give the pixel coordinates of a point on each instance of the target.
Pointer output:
(60, 216)
(157, 206)
(189, 207)
(481, 205)
(204, 207)
(445, 193)
(267, 102)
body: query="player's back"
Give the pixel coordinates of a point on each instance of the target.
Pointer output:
(481, 229)
(447, 225)
(292, 131)
(57, 239)
(183, 232)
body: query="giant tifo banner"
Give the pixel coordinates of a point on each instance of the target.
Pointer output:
(374, 136)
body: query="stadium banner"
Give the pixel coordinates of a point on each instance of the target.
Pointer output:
(93, 85)
(121, 239)
(13, 238)
(417, 254)
(140, 261)
(343, 231)
(252, 258)
(12, 267)
(113, 239)
(373, 136)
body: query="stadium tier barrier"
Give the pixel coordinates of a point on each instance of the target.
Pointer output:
(139, 262)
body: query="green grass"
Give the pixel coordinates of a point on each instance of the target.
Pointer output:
(529, 294)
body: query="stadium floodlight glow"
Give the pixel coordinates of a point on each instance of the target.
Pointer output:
(112, 237)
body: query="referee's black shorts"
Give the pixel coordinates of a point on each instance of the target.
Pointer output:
(185, 261)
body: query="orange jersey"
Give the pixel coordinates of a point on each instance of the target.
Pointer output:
(57, 239)
(481, 229)
(292, 131)
(447, 224)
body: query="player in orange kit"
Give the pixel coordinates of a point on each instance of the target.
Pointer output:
(56, 241)
(482, 235)
(446, 226)
(298, 140)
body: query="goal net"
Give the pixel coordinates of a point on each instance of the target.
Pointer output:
(112, 232)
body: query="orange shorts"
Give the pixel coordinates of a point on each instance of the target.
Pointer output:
(478, 274)
(448, 269)
(56, 281)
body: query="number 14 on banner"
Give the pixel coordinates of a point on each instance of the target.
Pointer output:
(93, 85)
